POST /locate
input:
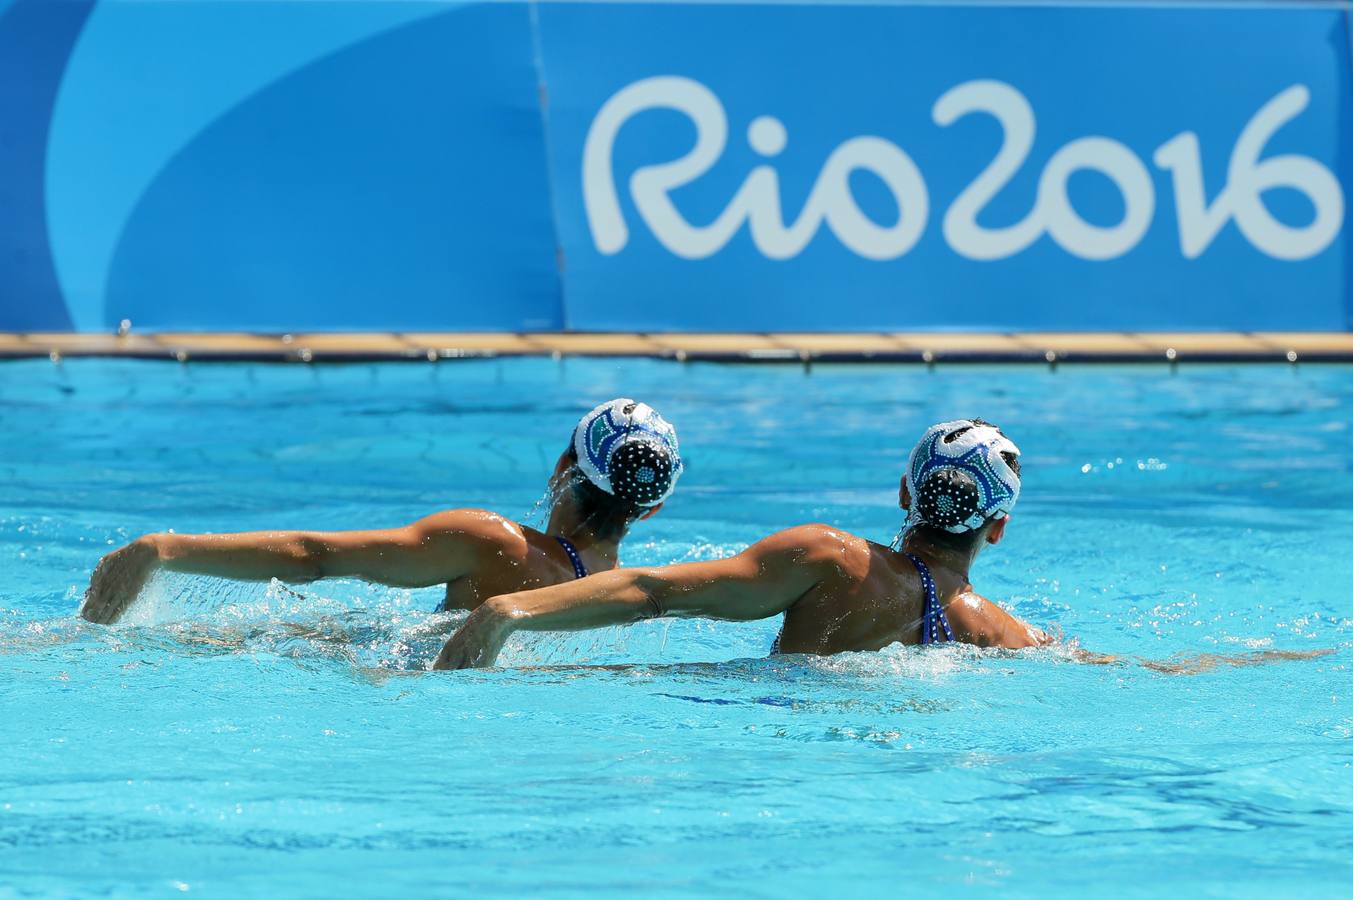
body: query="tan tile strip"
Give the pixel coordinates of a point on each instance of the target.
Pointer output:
(1315, 342)
(198, 346)
(805, 347)
(219, 340)
(1205, 344)
(953, 342)
(68, 344)
(596, 344)
(853, 344)
(1063, 343)
(741, 344)
(471, 343)
(352, 343)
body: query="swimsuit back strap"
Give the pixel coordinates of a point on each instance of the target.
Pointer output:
(579, 570)
(934, 623)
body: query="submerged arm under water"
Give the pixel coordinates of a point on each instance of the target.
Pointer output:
(1185, 664)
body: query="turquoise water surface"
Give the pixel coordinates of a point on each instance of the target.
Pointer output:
(257, 739)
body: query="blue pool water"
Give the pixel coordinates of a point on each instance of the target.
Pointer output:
(249, 739)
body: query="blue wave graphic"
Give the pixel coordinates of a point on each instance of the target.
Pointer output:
(35, 41)
(399, 183)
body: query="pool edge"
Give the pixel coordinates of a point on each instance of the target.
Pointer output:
(801, 348)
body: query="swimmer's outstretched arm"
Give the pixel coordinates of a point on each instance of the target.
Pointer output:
(433, 550)
(762, 581)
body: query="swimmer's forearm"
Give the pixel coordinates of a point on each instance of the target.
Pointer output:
(715, 590)
(434, 550)
(611, 598)
(251, 556)
(762, 581)
(119, 577)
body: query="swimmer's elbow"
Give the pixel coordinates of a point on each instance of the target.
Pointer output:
(505, 608)
(308, 558)
(1026, 637)
(1011, 637)
(649, 594)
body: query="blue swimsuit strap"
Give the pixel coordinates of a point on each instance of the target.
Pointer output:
(934, 612)
(579, 570)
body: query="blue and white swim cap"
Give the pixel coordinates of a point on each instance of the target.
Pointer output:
(628, 450)
(959, 479)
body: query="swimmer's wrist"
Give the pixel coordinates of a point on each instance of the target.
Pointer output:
(503, 614)
(498, 620)
(153, 546)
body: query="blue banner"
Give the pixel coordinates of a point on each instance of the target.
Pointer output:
(361, 164)
(318, 165)
(890, 167)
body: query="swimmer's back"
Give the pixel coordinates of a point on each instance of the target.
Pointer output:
(864, 601)
(870, 596)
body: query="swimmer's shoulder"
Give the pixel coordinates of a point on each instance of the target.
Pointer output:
(480, 528)
(832, 550)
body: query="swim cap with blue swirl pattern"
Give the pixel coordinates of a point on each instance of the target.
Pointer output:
(628, 450)
(979, 484)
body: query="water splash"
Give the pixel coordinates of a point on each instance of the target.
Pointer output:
(538, 516)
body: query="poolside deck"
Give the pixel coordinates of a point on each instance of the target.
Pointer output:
(920, 347)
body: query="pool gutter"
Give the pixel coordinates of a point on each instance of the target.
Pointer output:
(923, 348)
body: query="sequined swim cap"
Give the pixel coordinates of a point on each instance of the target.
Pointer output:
(628, 450)
(959, 478)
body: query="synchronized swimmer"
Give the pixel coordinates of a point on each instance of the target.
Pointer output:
(620, 466)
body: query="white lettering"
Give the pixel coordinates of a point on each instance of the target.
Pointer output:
(1008, 107)
(1052, 210)
(1124, 169)
(1246, 180)
(757, 201)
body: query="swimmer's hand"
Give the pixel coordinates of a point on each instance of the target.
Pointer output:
(480, 638)
(118, 579)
